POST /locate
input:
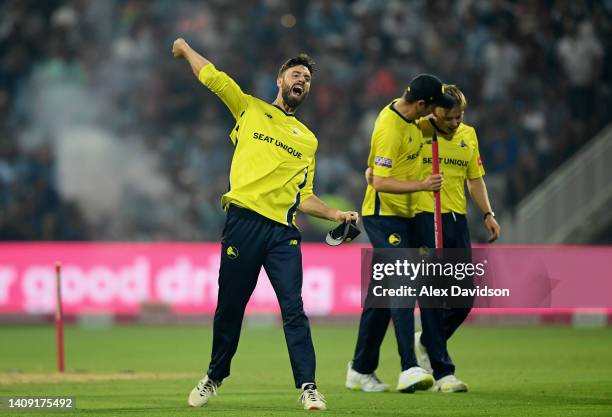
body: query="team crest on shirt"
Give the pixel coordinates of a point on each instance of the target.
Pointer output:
(394, 239)
(296, 131)
(231, 252)
(463, 144)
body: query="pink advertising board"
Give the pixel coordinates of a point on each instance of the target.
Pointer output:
(117, 278)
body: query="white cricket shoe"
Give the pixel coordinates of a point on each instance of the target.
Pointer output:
(312, 399)
(363, 382)
(202, 392)
(421, 353)
(449, 383)
(413, 379)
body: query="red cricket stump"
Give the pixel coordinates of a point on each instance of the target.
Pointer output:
(435, 169)
(59, 318)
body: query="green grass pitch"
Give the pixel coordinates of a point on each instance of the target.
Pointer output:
(149, 371)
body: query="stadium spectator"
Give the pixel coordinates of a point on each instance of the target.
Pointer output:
(95, 65)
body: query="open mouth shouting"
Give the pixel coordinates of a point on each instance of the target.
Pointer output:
(297, 90)
(294, 95)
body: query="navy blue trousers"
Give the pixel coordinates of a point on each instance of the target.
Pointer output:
(249, 242)
(385, 232)
(439, 324)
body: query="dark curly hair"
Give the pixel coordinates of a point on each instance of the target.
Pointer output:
(301, 59)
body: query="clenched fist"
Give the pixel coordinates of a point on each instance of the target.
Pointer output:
(179, 47)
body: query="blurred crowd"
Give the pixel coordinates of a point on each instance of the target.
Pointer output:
(104, 136)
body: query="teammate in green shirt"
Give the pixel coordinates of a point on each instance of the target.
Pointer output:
(271, 177)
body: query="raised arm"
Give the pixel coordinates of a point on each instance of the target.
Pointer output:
(181, 49)
(216, 81)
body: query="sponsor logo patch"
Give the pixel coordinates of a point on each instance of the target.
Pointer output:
(381, 161)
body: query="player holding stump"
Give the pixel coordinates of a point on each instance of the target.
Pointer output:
(271, 177)
(388, 211)
(459, 163)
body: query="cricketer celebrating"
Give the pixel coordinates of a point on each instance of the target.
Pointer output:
(271, 177)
